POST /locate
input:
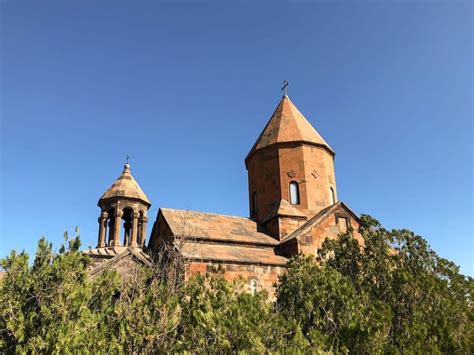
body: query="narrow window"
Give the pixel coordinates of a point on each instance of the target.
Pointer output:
(342, 224)
(254, 203)
(332, 196)
(253, 287)
(294, 193)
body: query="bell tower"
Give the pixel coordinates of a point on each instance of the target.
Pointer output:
(290, 172)
(123, 202)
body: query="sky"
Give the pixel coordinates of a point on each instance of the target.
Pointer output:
(186, 88)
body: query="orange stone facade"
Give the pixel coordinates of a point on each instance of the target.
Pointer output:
(293, 209)
(290, 150)
(255, 277)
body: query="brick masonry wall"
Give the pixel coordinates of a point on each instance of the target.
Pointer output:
(160, 231)
(271, 170)
(265, 276)
(330, 227)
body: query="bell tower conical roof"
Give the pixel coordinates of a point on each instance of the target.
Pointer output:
(288, 124)
(124, 202)
(125, 187)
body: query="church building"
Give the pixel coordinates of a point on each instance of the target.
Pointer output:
(293, 208)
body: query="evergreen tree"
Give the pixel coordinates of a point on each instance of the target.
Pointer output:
(392, 294)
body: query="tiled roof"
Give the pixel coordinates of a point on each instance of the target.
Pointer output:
(116, 250)
(216, 227)
(126, 186)
(288, 124)
(116, 254)
(316, 219)
(206, 251)
(284, 208)
(106, 251)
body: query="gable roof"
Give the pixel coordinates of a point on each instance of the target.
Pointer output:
(317, 218)
(119, 254)
(220, 252)
(284, 209)
(288, 124)
(125, 186)
(215, 227)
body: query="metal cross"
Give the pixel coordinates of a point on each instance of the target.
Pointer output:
(126, 160)
(285, 88)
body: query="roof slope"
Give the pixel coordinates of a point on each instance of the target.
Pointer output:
(284, 208)
(316, 219)
(215, 227)
(231, 253)
(288, 124)
(115, 255)
(126, 186)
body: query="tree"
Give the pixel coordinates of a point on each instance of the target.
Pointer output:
(392, 294)
(397, 276)
(331, 313)
(218, 316)
(51, 306)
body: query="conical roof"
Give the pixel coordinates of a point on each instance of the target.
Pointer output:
(288, 124)
(125, 186)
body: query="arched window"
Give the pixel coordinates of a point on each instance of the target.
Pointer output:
(254, 203)
(253, 287)
(332, 196)
(294, 193)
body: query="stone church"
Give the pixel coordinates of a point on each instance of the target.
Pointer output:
(293, 208)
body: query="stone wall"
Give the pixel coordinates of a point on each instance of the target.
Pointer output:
(265, 276)
(271, 170)
(333, 225)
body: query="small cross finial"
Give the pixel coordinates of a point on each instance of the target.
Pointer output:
(126, 160)
(285, 88)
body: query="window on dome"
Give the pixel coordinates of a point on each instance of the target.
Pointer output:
(254, 203)
(294, 193)
(332, 196)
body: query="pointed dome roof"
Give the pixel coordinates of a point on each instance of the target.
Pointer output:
(288, 124)
(125, 186)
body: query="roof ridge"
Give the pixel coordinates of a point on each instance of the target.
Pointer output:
(284, 101)
(224, 240)
(265, 128)
(306, 121)
(310, 221)
(276, 210)
(209, 240)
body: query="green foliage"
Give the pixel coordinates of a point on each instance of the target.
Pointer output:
(393, 294)
(47, 307)
(331, 313)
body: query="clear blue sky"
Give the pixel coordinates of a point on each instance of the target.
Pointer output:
(186, 89)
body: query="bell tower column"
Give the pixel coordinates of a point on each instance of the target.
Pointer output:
(102, 229)
(123, 201)
(143, 231)
(133, 242)
(118, 220)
